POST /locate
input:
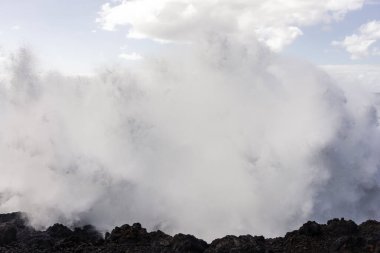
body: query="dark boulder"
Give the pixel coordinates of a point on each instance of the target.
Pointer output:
(127, 233)
(233, 244)
(59, 231)
(341, 227)
(187, 244)
(311, 228)
(8, 233)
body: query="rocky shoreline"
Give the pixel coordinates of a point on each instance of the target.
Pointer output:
(338, 235)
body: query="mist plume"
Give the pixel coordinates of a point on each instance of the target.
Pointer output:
(213, 137)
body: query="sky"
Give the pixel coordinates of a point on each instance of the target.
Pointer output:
(78, 36)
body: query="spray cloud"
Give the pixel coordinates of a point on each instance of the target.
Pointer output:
(212, 137)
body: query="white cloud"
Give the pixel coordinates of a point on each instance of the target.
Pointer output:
(276, 23)
(131, 57)
(361, 44)
(278, 37)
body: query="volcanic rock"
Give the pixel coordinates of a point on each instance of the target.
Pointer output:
(338, 235)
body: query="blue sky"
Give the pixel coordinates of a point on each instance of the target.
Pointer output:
(315, 44)
(65, 35)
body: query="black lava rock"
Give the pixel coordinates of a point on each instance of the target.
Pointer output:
(338, 235)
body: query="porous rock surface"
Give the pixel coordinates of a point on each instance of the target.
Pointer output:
(338, 235)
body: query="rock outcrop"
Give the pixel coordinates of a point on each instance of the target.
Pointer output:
(338, 235)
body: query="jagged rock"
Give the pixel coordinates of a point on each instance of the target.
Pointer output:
(338, 235)
(87, 234)
(341, 227)
(311, 228)
(8, 233)
(59, 231)
(348, 244)
(14, 218)
(126, 233)
(243, 244)
(187, 244)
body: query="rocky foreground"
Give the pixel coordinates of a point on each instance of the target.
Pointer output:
(337, 235)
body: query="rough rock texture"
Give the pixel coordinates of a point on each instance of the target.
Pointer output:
(337, 235)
